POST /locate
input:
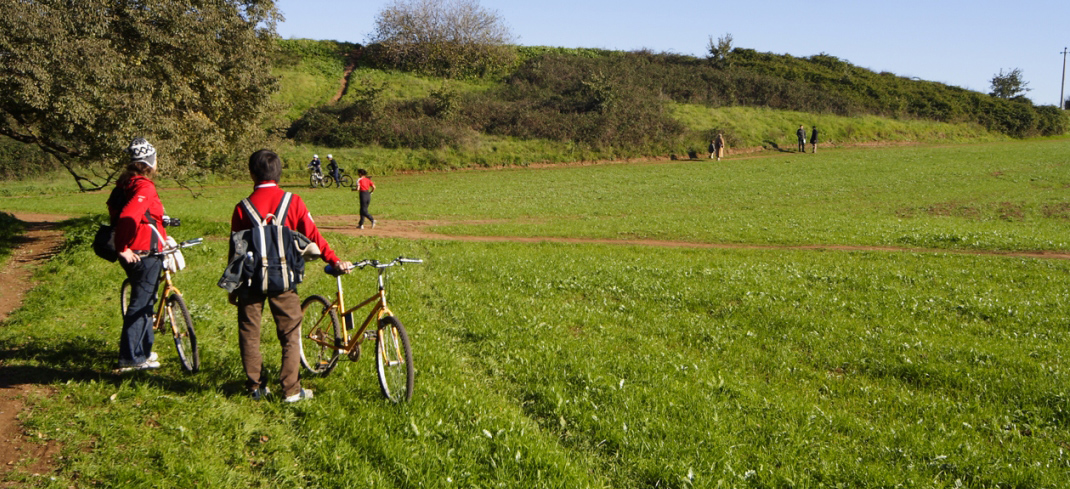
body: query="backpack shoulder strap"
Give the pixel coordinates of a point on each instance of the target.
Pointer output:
(284, 207)
(254, 216)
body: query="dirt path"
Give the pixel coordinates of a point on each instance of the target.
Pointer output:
(420, 230)
(40, 242)
(351, 64)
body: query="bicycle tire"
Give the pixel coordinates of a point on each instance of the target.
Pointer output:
(312, 180)
(124, 296)
(346, 181)
(393, 360)
(182, 329)
(315, 357)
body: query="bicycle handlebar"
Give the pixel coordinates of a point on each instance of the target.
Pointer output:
(184, 244)
(401, 260)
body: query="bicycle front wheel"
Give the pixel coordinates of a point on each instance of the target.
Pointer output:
(321, 335)
(393, 360)
(347, 181)
(124, 296)
(176, 315)
(312, 180)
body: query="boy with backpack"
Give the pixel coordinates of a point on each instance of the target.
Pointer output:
(266, 200)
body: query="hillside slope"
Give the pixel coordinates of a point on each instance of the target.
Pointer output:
(560, 105)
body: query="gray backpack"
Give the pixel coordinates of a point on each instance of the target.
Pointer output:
(269, 257)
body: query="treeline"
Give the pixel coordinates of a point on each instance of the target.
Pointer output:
(610, 99)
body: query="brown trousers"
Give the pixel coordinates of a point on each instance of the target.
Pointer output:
(286, 308)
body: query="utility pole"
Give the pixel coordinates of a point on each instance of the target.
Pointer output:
(1062, 87)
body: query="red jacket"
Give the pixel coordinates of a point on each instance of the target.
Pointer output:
(265, 199)
(135, 219)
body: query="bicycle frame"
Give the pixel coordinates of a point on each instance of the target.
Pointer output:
(168, 289)
(379, 310)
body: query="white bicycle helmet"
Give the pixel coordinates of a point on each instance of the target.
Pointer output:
(315, 156)
(329, 157)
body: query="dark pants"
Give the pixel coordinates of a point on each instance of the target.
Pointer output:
(337, 178)
(135, 343)
(365, 201)
(286, 309)
(802, 145)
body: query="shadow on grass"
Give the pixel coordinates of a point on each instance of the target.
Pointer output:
(10, 233)
(77, 360)
(774, 145)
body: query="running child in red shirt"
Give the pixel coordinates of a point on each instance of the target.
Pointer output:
(366, 187)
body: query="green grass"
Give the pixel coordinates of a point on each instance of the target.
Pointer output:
(748, 127)
(585, 365)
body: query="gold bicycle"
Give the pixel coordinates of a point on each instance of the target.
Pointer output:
(324, 337)
(172, 310)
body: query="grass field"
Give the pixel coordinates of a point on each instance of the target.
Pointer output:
(600, 365)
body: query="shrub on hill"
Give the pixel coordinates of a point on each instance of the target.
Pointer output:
(605, 99)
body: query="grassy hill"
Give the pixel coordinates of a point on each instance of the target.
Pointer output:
(564, 105)
(560, 105)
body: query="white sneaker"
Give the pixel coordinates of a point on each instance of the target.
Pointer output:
(304, 394)
(360, 227)
(146, 365)
(260, 393)
(153, 357)
(373, 224)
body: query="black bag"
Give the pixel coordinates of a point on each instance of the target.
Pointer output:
(104, 239)
(269, 257)
(104, 243)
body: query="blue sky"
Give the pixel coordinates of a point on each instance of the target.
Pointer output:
(956, 42)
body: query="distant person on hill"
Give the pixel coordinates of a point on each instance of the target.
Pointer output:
(366, 187)
(332, 167)
(712, 148)
(718, 146)
(801, 134)
(813, 140)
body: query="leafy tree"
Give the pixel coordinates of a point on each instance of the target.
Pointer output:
(719, 51)
(442, 37)
(81, 79)
(1008, 85)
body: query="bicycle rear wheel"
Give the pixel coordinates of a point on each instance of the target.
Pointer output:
(319, 325)
(176, 315)
(124, 296)
(347, 181)
(393, 360)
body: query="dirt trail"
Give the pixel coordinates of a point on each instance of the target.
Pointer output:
(351, 64)
(420, 230)
(40, 242)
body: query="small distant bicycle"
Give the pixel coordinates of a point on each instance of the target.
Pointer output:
(172, 311)
(316, 178)
(343, 179)
(324, 339)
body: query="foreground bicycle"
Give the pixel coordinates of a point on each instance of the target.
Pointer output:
(172, 310)
(324, 339)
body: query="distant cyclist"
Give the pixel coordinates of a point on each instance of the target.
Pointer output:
(315, 165)
(332, 167)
